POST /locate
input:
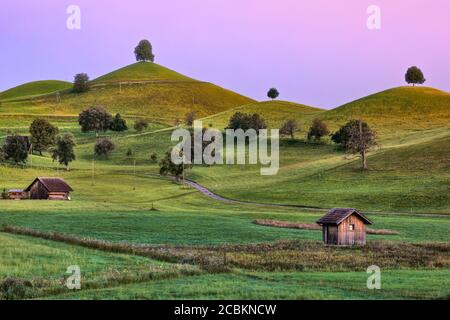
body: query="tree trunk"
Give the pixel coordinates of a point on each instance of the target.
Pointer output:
(364, 160)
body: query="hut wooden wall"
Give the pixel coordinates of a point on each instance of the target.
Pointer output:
(350, 237)
(38, 191)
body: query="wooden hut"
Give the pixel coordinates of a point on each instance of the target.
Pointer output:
(344, 226)
(16, 194)
(49, 189)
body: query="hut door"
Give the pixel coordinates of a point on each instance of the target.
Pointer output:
(351, 234)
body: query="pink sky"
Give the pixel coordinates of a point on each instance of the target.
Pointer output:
(316, 52)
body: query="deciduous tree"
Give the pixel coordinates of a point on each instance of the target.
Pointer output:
(94, 119)
(415, 76)
(43, 134)
(289, 128)
(144, 51)
(318, 130)
(63, 152)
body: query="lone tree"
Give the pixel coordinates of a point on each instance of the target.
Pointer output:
(189, 118)
(273, 93)
(63, 151)
(81, 83)
(94, 119)
(104, 147)
(415, 76)
(166, 166)
(356, 137)
(43, 134)
(318, 130)
(143, 51)
(140, 125)
(118, 124)
(16, 148)
(289, 128)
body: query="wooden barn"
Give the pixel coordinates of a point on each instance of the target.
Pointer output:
(49, 189)
(344, 226)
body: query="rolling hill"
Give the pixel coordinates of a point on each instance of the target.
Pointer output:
(143, 90)
(142, 71)
(274, 112)
(33, 89)
(402, 108)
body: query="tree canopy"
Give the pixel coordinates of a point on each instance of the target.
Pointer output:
(246, 121)
(415, 76)
(318, 130)
(356, 136)
(94, 119)
(43, 134)
(16, 148)
(63, 151)
(289, 128)
(144, 51)
(273, 93)
(104, 147)
(81, 83)
(118, 124)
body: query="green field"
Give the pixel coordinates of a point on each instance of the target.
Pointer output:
(177, 250)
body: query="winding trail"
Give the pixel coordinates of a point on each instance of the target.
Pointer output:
(208, 193)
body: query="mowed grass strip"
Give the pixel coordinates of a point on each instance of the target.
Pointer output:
(45, 264)
(281, 255)
(396, 284)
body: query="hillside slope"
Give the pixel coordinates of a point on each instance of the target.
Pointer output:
(139, 90)
(33, 89)
(274, 112)
(402, 108)
(142, 71)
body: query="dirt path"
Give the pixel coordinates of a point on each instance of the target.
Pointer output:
(205, 191)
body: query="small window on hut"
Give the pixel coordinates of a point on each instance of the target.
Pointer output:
(352, 227)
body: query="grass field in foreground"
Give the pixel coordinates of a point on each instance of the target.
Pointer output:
(396, 284)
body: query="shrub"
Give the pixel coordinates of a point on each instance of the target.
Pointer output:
(15, 288)
(118, 124)
(104, 147)
(154, 157)
(129, 152)
(140, 125)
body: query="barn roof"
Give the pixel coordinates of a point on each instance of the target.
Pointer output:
(337, 215)
(52, 184)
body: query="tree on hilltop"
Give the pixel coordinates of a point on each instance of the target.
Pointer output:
(144, 51)
(415, 76)
(273, 93)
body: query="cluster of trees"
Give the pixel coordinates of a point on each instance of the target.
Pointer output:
(98, 119)
(247, 121)
(44, 136)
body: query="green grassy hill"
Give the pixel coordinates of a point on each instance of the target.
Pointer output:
(142, 71)
(402, 108)
(140, 90)
(274, 112)
(33, 89)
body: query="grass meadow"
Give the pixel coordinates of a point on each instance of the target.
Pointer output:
(137, 235)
